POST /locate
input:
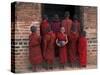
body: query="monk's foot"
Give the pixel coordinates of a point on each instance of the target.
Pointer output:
(72, 65)
(39, 68)
(51, 68)
(46, 68)
(83, 66)
(62, 67)
(34, 70)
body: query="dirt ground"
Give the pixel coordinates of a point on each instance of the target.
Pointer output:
(67, 68)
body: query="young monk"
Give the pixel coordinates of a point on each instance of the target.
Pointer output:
(73, 38)
(55, 27)
(76, 23)
(61, 43)
(49, 48)
(67, 23)
(35, 55)
(43, 27)
(55, 24)
(82, 48)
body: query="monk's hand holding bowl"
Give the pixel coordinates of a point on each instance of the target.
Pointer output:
(58, 44)
(63, 43)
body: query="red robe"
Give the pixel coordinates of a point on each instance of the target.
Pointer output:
(82, 48)
(72, 46)
(67, 24)
(63, 49)
(49, 47)
(55, 26)
(77, 24)
(35, 56)
(44, 25)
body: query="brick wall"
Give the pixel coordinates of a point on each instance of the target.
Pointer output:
(90, 25)
(27, 14)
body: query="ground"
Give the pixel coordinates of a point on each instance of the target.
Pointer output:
(65, 69)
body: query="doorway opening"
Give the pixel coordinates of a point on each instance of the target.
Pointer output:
(52, 9)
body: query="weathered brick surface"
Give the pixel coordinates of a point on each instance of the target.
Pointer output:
(27, 14)
(90, 25)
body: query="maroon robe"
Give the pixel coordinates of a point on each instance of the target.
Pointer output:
(63, 49)
(44, 25)
(49, 48)
(35, 56)
(67, 24)
(72, 46)
(82, 48)
(77, 24)
(55, 26)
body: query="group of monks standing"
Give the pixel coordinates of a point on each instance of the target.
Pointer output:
(63, 40)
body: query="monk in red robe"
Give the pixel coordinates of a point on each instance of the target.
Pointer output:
(49, 48)
(35, 55)
(67, 23)
(55, 24)
(61, 43)
(76, 23)
(72, 46)
(55, 27)
(43, 27)
(82, 48)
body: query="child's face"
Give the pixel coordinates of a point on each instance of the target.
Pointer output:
(62, 29)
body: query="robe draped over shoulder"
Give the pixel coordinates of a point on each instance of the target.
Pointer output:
(49, 47)
(63, 49)
(35, 55)
(82, 48)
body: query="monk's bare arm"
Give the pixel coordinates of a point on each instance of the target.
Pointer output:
(57, 43)
(66, 40)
